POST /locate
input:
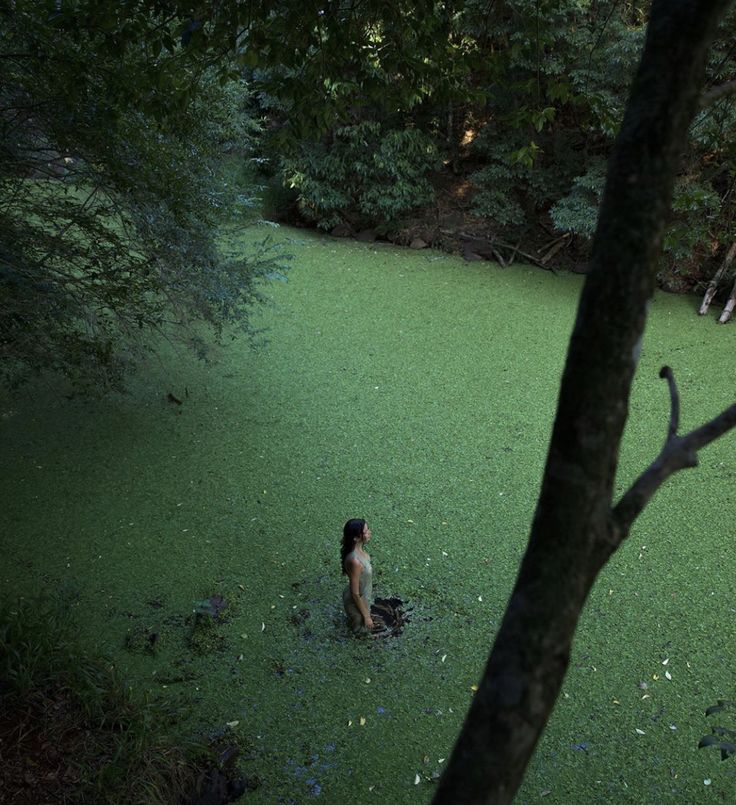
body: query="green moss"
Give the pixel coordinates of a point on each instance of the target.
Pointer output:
(418, 391)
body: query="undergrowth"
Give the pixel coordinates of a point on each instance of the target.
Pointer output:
(71, 730)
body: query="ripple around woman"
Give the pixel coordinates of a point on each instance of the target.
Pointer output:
(356, 565)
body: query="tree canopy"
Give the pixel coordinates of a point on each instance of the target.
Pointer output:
(112, 188)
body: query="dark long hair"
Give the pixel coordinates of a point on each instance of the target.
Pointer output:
(351, 530)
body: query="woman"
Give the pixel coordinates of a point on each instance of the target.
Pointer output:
(356, 565)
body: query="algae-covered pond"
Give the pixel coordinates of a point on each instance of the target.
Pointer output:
(417, 391)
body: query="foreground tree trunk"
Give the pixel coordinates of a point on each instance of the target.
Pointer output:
(576, 527)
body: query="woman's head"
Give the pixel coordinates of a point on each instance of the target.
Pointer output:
(353, 532)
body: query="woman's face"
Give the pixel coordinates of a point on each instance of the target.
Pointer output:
(366, 533)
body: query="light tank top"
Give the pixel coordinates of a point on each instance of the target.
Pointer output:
(366, 577)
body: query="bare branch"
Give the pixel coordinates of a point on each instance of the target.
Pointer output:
(530, 257)
(677, 453)
(705, 434)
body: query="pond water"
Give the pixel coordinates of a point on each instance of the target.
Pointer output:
(417, 391)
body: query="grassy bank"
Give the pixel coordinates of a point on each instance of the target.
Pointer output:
(417, 391)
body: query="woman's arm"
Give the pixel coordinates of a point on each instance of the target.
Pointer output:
(355, 568)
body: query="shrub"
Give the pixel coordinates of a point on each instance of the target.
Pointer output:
(364, 174)
(577, 212)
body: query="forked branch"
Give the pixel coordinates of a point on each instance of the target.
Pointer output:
(677, 453)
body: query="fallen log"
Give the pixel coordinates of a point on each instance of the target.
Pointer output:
(728, 309)
(555, 247)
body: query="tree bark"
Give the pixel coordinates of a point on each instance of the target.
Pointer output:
(713, 284)
(574, 530)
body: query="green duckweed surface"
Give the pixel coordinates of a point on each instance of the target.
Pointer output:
(417, 391)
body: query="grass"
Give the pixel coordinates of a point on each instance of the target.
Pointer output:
(417, 391)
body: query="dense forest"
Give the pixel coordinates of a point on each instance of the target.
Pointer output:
(477, 127)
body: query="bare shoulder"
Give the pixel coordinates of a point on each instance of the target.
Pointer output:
(352, 564)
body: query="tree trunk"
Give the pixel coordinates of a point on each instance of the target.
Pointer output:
(713, 284)
(728, 309)
(574, 530)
